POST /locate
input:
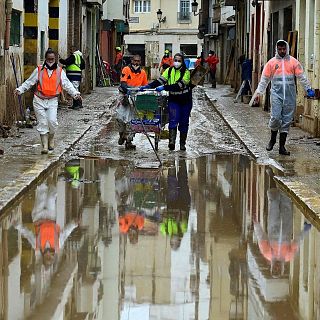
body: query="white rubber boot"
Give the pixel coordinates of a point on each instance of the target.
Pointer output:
(50, 142)
(44, 142)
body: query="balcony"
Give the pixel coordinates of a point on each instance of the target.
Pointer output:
(93, 2)
(216, 14)
(184, 17)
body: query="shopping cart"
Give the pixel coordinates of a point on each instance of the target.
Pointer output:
(151, 114)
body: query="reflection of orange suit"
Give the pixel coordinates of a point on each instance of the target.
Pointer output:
(278, 243)
(129, 220)
(47, 232)
(280, 251)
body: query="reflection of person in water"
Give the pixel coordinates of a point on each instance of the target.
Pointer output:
(277, 245)
(48, 238)
(175, 221)
(74, 172)
(131, 223)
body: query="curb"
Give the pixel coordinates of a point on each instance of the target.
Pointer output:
(305, 198)
(41, 170)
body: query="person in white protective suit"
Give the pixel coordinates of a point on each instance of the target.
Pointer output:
(50, 79)
(281, 70)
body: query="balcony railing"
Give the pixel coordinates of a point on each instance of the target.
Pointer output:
(184, 17)
(92, 2)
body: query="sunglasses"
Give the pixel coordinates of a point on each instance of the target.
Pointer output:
(176, 60)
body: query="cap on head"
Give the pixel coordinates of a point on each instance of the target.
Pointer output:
(118, 49)
(166, 51)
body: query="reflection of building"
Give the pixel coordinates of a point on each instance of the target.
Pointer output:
(218, 272)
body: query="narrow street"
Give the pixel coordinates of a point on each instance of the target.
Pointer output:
(209, 235)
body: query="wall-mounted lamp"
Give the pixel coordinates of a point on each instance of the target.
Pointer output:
(159, 16)
(195, 5)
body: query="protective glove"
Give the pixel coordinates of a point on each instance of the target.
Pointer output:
(144, 87)
(160, 88)
(255, 98)
(310, 93)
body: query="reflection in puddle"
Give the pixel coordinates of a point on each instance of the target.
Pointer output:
(211, 238)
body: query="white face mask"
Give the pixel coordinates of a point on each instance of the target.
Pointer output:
(177, 64)
(210, 54)
(135, 67)
(50, 64)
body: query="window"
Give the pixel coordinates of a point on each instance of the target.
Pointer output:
(142, 6)
(168, 46)
(185, 7)
(184, 15)
(15, 28)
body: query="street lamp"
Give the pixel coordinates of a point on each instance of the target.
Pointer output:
(195, 5)
(159, 16)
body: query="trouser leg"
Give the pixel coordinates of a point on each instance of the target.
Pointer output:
(174, 117)
(184, 123)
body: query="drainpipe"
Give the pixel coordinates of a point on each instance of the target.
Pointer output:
(8, 6)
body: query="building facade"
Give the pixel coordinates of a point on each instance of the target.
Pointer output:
(175, 29)
(28, 28)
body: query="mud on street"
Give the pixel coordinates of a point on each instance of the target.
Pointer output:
(206, 236)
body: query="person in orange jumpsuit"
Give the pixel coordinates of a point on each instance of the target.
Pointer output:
(212, 61)
(166, 61)
(132, 76)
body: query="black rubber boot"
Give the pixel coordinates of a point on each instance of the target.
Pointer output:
(129, 145)
(122, 138)
(272, 141)
(183, 138)
(172, 138)
(282, 142)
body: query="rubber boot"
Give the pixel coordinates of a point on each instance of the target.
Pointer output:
(183, 138)
(272, 141)
(129, 145)
(50, 142)
(44, 142)
(282, 142)
(121, 139)
(172, 139)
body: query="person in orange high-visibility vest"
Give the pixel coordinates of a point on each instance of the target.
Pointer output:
(166, 61)
(131, 76)
(49, 79)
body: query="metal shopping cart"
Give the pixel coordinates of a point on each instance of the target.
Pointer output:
(151, 114)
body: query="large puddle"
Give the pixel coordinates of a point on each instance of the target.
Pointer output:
(209, 238)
